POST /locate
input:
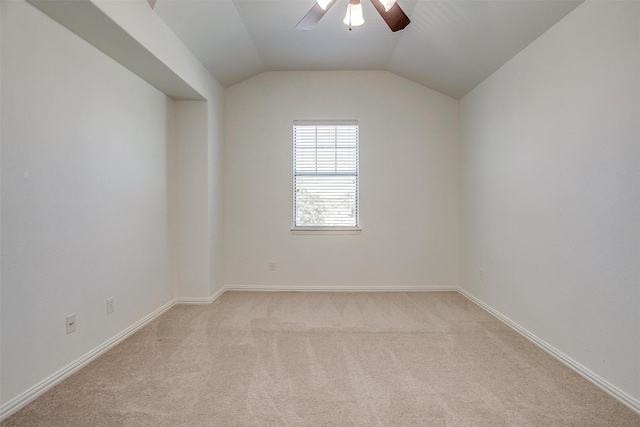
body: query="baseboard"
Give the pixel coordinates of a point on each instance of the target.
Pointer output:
(200, 300)
(37, 390)
(270, 288)
(621, 396)
(34, 392)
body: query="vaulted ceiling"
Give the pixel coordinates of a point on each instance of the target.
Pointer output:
(450, 45)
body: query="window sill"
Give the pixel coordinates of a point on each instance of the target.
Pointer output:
(326, 230)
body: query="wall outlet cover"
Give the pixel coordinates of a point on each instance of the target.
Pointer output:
(71, 323)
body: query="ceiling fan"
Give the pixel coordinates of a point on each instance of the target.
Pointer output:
(390, 11)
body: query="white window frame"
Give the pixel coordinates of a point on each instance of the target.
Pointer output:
(327, 229)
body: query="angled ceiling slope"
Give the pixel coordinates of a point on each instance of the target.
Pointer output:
(450, 46)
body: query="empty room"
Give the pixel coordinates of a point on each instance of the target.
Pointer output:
(319, 213)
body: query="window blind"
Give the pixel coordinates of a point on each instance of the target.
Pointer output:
(325, 183)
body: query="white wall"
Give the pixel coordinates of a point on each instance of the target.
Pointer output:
(215, 107)
(192, 200)
(408, 183)
(114, 203)
(84, 197)
(199, 212)
(551, 194)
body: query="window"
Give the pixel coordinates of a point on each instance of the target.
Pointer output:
(325, 178)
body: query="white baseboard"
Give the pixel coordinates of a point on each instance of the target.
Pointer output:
(40, 388)
(270, 288)
(621, 396)
(34, 392)
(37, 390)
(200, 300)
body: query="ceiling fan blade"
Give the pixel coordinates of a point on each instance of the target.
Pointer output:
(395, 18)
(314, 16)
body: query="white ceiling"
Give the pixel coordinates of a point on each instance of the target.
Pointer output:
(449, 46)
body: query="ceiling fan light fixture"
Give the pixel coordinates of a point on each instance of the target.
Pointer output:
(324, 3)
(388, 4)
(354, 16)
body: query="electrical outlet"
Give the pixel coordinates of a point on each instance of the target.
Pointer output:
(110, 305)
(481, 274)
(71, 323)
(272, 266)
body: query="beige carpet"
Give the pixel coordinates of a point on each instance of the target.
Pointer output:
(316, 359)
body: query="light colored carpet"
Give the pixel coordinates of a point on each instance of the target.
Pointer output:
(321, 359)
